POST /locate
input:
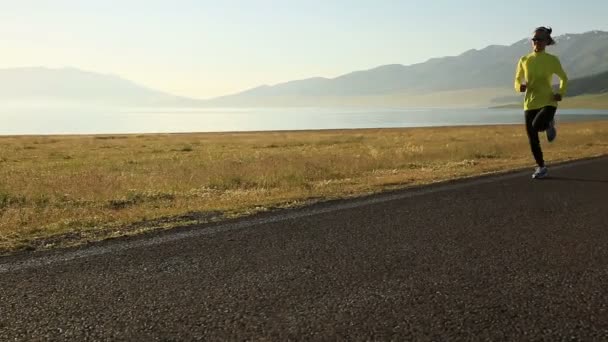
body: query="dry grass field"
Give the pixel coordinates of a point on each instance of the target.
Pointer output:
(57, 191)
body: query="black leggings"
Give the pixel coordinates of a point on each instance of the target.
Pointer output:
(537, 120)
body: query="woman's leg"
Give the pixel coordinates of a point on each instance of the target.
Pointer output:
(543, 118)
(531, 116)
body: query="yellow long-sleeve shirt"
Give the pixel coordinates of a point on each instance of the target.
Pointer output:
(537, 70)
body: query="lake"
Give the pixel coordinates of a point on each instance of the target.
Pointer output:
(18, 121)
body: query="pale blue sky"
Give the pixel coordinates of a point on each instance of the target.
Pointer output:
(209, 48)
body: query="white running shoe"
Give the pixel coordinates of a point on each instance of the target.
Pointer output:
(540, 172)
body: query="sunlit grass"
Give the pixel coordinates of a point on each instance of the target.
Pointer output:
(61, 190)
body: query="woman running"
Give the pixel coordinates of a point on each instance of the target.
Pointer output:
(533, 76)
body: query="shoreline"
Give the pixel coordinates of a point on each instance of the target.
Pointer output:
(273, 121)
(571, 118)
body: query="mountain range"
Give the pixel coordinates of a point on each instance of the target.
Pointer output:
(73, 86)
(469, 76)
(473, 78)
(594, 84)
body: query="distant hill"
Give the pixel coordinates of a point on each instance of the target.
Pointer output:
(588, 86)
(474, 78)
(592, 101)
(492, 67)
(69, 85)
(594, 84)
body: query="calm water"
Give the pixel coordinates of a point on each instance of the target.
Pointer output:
(86, 121)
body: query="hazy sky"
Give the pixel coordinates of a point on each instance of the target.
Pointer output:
(203, 48)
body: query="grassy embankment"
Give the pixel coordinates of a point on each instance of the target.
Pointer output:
(65, 190)
(594, 101)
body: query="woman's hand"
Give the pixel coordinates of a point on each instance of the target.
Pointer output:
(557, 97)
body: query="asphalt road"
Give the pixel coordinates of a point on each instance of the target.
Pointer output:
(494, 258)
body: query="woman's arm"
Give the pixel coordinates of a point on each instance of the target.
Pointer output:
(563, 78)
(519, 74)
